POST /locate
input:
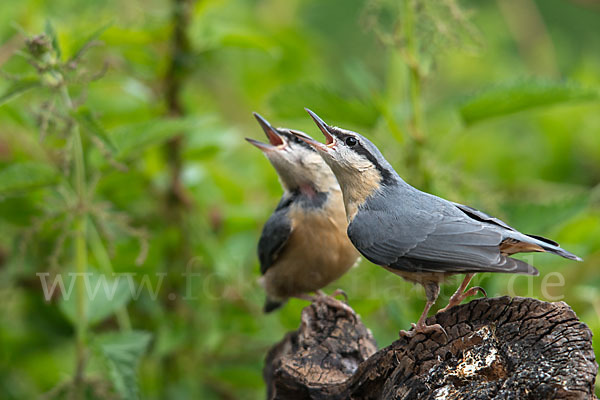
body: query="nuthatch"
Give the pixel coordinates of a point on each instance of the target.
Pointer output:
(303, 246)
(421, 237)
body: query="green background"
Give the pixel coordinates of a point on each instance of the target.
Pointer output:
(491, 104)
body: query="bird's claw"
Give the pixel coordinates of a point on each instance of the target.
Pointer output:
(474, 290)
(409, 334)
(457, 298)
(340, 292)
(338, 304)
(425, 329)
(337, 292)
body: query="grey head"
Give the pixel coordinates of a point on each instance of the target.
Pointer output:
(359, 166)
(298, 165)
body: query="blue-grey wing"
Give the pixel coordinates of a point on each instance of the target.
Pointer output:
(273, 239)
(481, 216)
(461, 245)
(383, 236)
(444, 241)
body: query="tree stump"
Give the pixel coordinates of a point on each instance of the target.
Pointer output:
(500, 348)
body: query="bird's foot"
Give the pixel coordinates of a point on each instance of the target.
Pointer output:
(457, 298)
(423, 328)
(335, 303)
(340, 292)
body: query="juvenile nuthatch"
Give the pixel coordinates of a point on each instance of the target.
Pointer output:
(303, 246)
(419, 236)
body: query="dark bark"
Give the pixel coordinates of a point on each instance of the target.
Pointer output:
(500, 348)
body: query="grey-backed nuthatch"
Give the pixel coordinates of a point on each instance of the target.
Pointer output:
(419, 236)
(303, 246)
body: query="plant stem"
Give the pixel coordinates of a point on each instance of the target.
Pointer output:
(395, 81)
(80, 245)
(177, 199)
(177, 71)
(416, 122)
(103, 259)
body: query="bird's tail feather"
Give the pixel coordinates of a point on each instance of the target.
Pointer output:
(552, 247)
(562, 252)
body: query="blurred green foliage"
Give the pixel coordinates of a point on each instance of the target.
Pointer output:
(453, 93)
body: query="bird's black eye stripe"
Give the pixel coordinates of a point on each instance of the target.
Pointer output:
(359, 148)
(296, 139)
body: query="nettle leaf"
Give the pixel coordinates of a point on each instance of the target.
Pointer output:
(133, 139)
(210, 138)
(92, 37)
(25, 176)
(247, 39)
(520, 96)
(88, 121)
(289, 102)
(51, 32)
(17, 88)
(122, 353)
(546, 216)
(104, 295)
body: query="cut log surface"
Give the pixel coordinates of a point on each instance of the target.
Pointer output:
(500, 348)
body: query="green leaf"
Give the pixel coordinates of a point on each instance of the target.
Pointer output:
(289, 102)
(545, 216)
(26, 176)
(93, 36)
(51, 32)
(122, 353)
(247, 39)
(88, 121)
(17, 88)
(136, 138)
(520, 96)
(104, 296)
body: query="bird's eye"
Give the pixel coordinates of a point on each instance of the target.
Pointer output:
(297, 139)
(351, 141)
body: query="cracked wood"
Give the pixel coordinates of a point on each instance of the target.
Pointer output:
(500, 348)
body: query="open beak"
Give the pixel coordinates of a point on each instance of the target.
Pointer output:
(274, 137)
(309, 140)
(329, 139)
(262, 146)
